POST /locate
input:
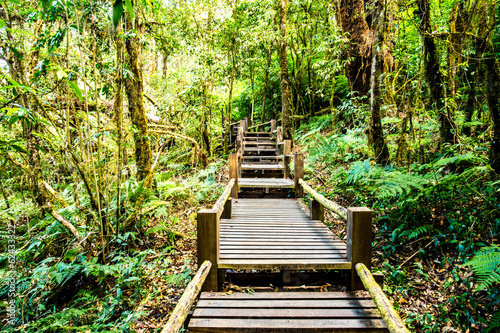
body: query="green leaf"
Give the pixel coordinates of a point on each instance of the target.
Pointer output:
(2, 23)
(117, 12)
(19, 148)
(18, 54)
(130, 9)
(76, 90)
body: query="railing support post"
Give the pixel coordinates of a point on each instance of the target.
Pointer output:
(208, 245)
(273, 126)
(227, 213)
(359, 241)
(317, 210)
(279, 134)
(233, 173)
(287, 149)
(243, 125)
(298, 173)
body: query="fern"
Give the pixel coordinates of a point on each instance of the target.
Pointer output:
(486, 266)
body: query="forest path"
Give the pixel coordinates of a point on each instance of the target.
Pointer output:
(266, 229)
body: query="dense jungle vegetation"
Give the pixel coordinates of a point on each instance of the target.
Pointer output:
(113, 132)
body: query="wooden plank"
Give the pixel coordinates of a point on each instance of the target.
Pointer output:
(285, 325)
(282, 256)
(275, 252)
(286, 313)
(311, 303)
(283, 242)
(266, 264)
(291, 296)
(281, 248)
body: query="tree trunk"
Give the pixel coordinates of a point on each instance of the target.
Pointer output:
(492, 75)
(434, 76)
(135, 91)
(353, 23)
(229, 102)
(118, 115)
(285, 83)
(266, 80)
(376, 133)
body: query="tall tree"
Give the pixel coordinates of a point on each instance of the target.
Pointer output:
(376, 135)
(135, 92)
(433, 74)
(353, 23)
(285, 82)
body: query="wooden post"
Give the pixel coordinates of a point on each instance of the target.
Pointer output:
(227, 213)
(298, 173)
(243, 125)
(273, 126)
(233, 173)
(208, 245)
(279, 134)
(287, 149)
(359, 241)
(248, 123)
(317, 210)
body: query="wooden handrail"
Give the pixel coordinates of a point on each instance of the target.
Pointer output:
(334, 207)
(219, 205)
(389, 315)
(259, 125)
(178, 316)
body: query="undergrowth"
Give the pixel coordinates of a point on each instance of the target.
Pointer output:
(61, 287)
(431, 216)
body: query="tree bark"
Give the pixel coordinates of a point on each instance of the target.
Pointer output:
(266, 80)
(135, 92)
(285, 82)
(376, 133)
(434, 76)
(353, 23)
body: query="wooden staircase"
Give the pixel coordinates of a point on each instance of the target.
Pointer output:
(251, 231)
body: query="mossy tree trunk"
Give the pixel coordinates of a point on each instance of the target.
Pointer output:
(266, 80)
(285, 81)
(353, 23)
(433, 74)
(135, 92)
(376, 133)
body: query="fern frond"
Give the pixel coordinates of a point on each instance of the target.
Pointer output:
(486, 266)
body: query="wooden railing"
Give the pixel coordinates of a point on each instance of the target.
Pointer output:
(208, 234)
(359, 249)
(389, 315)
(359, 224)
(179, 315)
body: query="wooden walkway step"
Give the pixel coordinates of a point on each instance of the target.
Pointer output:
(267, 166)
(286, 312)
(266, 183)
(266, 234)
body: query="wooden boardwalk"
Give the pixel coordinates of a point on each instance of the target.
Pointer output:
(269, 234)
(286, 312)
(272, 235)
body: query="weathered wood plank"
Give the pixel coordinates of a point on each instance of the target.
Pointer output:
(282, 256)
(284, 264)
(287, 313)
(310, 303)
(285, 325)
(359, 294)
